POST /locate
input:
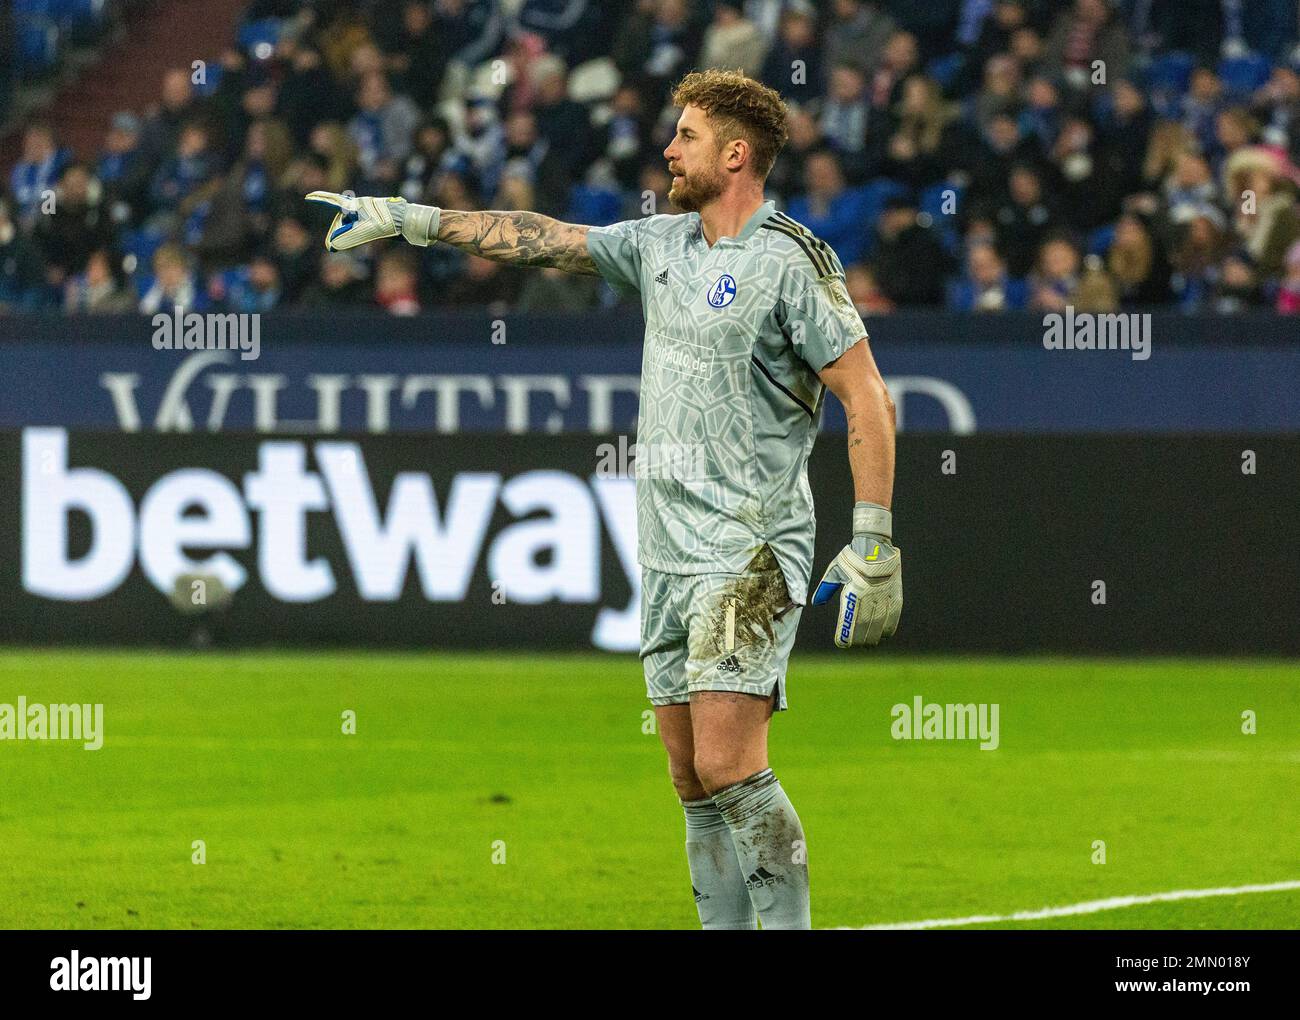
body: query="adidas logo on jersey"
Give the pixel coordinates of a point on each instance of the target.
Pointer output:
(762, 877)
(698, 895)
(730, 665)
(662, 277)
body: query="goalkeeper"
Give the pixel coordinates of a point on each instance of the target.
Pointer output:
(748, 323)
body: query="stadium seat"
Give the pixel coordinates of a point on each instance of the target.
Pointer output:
(263, 30)
(945, 69)
(594, 206)
(1100, 240)
(1171, 71)
(945, 221)
(37, 44)
(142, 244)
(1243, 75)
(1168, 77)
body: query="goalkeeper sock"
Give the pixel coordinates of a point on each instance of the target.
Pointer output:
(770, 845)
(719, 887)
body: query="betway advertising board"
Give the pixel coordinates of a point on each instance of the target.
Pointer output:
(483, 541)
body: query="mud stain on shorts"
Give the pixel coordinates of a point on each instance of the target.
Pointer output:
(759, 595)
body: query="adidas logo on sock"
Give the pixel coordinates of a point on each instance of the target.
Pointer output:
(730, 665)
(763, 877)
(662, 277)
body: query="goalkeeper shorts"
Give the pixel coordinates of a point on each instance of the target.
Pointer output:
(717, 632)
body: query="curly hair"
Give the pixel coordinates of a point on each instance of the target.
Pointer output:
(738, 107)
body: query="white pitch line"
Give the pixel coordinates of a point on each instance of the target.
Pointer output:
(1090, 907)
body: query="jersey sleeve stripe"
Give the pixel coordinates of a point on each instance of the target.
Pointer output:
(816, 258)
(812, 238)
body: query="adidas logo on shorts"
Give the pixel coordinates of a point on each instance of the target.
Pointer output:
(662, 277)
(730, 665)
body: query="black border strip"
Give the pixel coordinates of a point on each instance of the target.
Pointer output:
(772, 379)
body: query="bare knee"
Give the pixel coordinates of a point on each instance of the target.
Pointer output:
(720, 767)
(685, 781)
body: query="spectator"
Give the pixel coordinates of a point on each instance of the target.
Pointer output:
(572, 29)
(98, 289)
(1200, 248)
(430, 156)
(843, 120)
(732, 42)
(1201, 108)
(1237, 285)
(396, 283)
(34, 175)
(295, 255)
(835, 213)
(78, 226)
(1288, 295)
(565, 124)
(1024, 219)
(183, 178)
(794, 63)
(1137, 265)
(21, 282)
(122, 171)
(786, 178)
(1055, 280)
(865, 291)
(857, 34)
(173, 284)
(336, 147)
(656, 46)
(1235, 129)
(1082, 38)
(1189, 187)
(553, 290)
(471, 30)
(624, 137)
(416, 57)
(1266, 222)
(162, 129)
(310, 95)
(341, 284)
(251, 289)
(382, 130)
(914, 154)
(910, 264)
(899, 59)
(986, 286)
(486, 283)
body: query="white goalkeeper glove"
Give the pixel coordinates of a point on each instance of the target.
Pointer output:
(868, 577)
(362, 220)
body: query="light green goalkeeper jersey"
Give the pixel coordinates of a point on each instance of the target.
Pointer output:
(730, 397)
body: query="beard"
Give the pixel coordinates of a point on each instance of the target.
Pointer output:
(695, 191)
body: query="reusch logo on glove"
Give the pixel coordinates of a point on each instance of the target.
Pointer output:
(850, 605)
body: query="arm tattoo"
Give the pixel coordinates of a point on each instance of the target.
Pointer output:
(853, 430)
(520, 238)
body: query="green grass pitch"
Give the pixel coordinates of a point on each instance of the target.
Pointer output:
(457, 758)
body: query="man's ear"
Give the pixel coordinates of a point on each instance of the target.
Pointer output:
(737, 154)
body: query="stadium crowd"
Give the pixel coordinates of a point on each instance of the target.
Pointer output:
(978, 155)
